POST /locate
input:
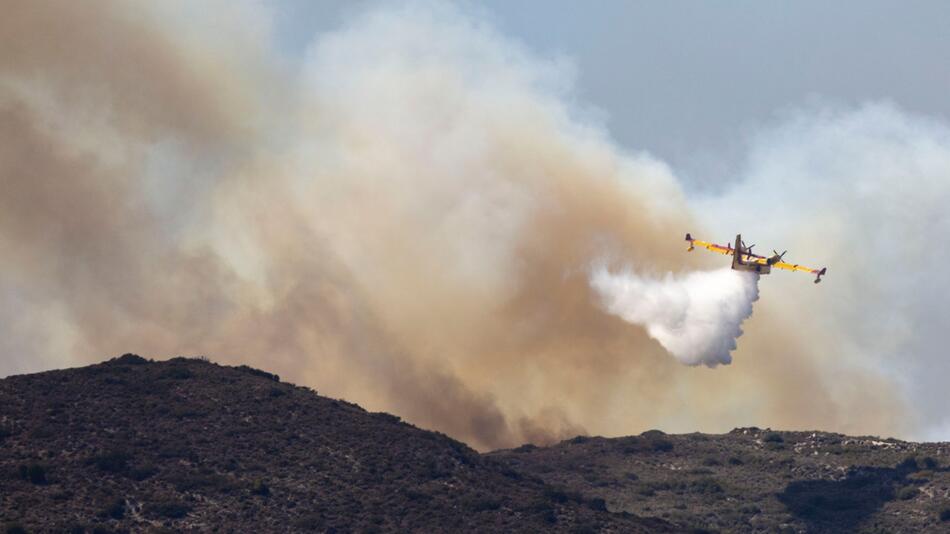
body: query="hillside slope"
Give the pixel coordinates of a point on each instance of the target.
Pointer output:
(753, 480)
(187, 445)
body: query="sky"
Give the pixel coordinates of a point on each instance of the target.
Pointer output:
(691, 81)
(472, 214)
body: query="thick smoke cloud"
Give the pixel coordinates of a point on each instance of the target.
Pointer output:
(696, 317)
(406, 220)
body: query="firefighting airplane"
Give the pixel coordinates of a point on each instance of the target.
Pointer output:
(744, 260)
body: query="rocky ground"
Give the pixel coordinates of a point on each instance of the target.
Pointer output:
(131, 445)
(754, 480)
(186, 445)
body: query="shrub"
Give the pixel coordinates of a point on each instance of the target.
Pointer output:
(168, 509)
(773, 437)
(260, 488)
(558, 495)
(61, 496)
(130, 359)
(141, 473)
(945, 514)
(735, 460)
(177, 372)
(258, 372)
(196, 481)
(34, 473)
(931, 463)
(749, 509)
(646, 490)
(43, 433)
(597, 504)
(907, 493)
(414, 495)
(706, 485)
(313, 521)
(662, 445)
(511, 473)
(14, 528)
(710, 461)
(115, 509)
(909, 463)
(177, 451)
(112, 461)
(485, 504)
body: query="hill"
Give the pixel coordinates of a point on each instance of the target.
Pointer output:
(754, 480)
(188, 445)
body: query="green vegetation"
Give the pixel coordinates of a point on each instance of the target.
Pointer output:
(260, 488)
(143, 473)
(484, 504)
(114, 510)
(559, 495)
(907, 493)
(258, 372)
(231, 446)
(192, 481)
(168, 509)
(130, 359)
(114, 461)
(909, 463)
(597, 503)
(34, 473)
(178, 372)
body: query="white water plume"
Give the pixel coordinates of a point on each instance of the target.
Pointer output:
(696, 317)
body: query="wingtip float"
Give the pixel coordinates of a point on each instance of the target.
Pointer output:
(744, 260)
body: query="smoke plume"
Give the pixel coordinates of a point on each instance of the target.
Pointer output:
(696, 317)
(406, 218)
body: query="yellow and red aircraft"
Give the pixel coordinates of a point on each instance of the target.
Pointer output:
(744, 260)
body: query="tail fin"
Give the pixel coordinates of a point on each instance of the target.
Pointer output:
(690, 239)
(820, 274)
(737, 253)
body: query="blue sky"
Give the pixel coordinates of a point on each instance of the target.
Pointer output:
(690, 82)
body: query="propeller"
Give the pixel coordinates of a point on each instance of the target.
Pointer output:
(780, 256)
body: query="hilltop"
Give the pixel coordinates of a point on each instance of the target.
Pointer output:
(188, 445)
(132, 445)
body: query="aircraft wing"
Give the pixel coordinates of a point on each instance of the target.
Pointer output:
(712, 247)
(802, 268)
(795, 267)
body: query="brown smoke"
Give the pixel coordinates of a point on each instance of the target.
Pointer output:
(404, 225)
